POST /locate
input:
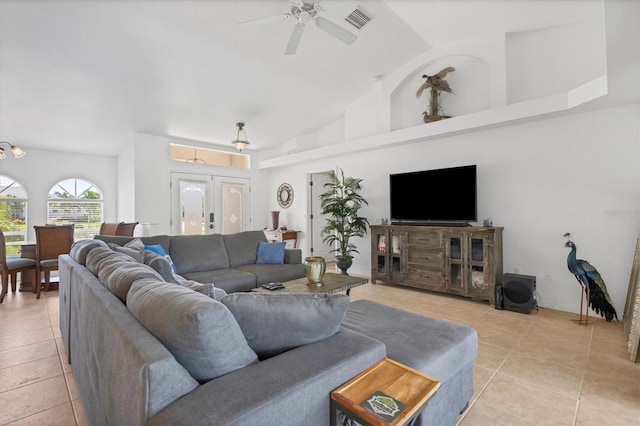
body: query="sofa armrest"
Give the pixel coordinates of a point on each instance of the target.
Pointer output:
(293, 256)
(288, 389)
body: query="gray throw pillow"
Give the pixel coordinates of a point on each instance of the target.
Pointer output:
(160, 265)
(118, 276)
(134, 248)
(274, 323)
(100, 256)
(201, 333)
(81, 248)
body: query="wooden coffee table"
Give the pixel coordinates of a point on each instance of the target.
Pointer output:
(388, 393)
(331, 283)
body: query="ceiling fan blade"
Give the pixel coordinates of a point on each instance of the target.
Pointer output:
(264, 21)
(335, 30)
(294, 40)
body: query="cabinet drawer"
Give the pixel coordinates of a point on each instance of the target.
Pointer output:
(425, 239)
(426, 277)
(425, 257)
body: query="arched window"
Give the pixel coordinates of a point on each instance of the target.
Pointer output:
(13, 213)
(76, 201)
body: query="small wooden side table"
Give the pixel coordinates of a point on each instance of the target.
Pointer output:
(278, 235)
(388, 393)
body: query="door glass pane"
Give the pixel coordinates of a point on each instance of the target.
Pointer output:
(456, 248)
(477, 253)
(232, 208)
(192, 207)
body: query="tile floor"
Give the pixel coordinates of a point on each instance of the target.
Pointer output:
(536, 369)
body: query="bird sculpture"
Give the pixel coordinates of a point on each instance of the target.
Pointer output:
(436, 82)
(595, 289)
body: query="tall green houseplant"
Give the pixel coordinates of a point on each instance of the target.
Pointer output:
(340, 203)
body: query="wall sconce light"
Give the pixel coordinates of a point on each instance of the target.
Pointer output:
(17, 152)
(240, 144)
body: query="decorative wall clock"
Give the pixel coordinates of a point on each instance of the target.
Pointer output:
(285, 195)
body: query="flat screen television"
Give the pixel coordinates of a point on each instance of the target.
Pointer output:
(434, 197)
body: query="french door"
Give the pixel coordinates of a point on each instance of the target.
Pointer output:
(208, 204)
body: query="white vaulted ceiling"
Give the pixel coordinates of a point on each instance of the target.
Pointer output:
(83, 76)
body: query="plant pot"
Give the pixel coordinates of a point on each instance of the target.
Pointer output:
(314, 268)
(343, 263)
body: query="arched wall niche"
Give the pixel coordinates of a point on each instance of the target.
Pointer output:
(470, 82)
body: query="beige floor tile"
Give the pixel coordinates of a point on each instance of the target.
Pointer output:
(489, 356)
(483, 414)
(556, 349)
(78, 410)
(495, 337)
(527, 402)
(22, 339)
(30, 372)
(72, 387)
(542, 372)
(481, 377)
(612, 378)
(32, 399)
(597, 410)
(27, 353)
(506, 321)
(24, 326)
(62, 415)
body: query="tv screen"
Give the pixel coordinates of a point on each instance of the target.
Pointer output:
(438, 196)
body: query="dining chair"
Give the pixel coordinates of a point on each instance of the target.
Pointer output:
(51, 242)
(126, 229)
(108, 228)
(10, 266)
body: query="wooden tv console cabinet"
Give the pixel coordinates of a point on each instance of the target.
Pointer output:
(466, 261)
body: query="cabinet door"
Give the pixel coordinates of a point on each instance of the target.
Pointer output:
(479, 263)
(456, 276)
(397, 255)
(379, 254)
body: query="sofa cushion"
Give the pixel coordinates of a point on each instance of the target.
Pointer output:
(437, 348)
(81, 248)
(159, 264)
(269, 273)
(195, 253)
(274, 323)
(119, 275)
(270, 253)
(159, 250)
(242, 247)
(200, 332)
(104, 255)
(231, 280)
(134, 248)
(163, 240)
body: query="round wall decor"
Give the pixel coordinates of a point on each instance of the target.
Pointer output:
(285, 195)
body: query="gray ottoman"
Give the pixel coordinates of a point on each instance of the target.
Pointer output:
(440, 349)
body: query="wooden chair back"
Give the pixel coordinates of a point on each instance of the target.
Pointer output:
(52, 241)
(108, 228)
(126, 229)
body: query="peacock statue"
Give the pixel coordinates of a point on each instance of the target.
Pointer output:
(595, 289)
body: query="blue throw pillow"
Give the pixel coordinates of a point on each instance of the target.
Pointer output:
(158, 249)
(271, 253)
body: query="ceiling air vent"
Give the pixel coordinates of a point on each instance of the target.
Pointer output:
(358, 18)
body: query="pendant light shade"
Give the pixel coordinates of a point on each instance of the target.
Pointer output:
(240, 144)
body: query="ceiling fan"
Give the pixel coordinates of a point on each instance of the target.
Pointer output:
(304, 12)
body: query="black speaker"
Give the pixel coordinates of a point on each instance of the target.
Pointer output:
(499, 302)
(518, 293)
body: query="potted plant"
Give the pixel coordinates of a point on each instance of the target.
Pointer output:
(340, 203)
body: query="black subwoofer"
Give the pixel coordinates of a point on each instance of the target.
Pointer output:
(518, 293)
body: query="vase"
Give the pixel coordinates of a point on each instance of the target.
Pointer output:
(275, 218)
(314, 268)
(343, 263)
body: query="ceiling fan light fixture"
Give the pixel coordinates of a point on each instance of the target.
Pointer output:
(17, 151)
(240, 144)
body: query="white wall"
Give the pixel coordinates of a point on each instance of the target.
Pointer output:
(577, 173)
(39, 170)
(152, 170)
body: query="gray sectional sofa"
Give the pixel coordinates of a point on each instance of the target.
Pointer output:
(229, 260)
(145, 351)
